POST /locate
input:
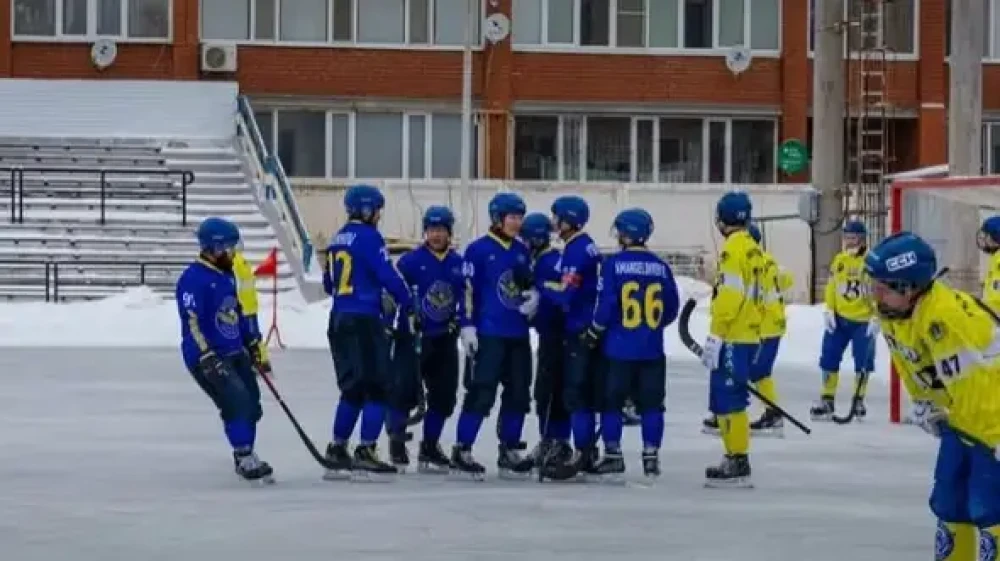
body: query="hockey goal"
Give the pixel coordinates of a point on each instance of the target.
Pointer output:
(947, 213)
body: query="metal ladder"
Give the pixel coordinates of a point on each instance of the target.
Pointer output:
(872, 127)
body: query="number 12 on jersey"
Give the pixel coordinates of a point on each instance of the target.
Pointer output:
(342, 259)
(642, 305)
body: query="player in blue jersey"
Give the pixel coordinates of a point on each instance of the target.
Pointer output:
(216, 350)
(553, 419)
(577, 295)
(499, 299)
(357, 270)
(434, 273)
(637, 300)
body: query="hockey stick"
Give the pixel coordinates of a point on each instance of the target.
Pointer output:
(420, 412)
(313, 451)
(862, 382)
(684, 331)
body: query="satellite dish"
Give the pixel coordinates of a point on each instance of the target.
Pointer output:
(738, 59)
(103, 53)
(497, 27)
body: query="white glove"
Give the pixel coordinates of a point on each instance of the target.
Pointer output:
(831, 321)
(530, 304)
(710, 352)
(874, 328)
(928, 417)
(469, 340)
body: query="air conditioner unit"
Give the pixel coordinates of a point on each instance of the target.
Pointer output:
(218, 57)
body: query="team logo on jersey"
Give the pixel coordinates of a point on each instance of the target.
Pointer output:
(227, 320)
(439, 302)
(508, 291)
(944, 542)
(936, 330)
(987, 546)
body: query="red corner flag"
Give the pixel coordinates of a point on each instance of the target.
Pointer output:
(269, 266)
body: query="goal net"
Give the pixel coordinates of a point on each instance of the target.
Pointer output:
(947, 213)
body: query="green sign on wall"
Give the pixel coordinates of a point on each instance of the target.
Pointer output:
(793, 156)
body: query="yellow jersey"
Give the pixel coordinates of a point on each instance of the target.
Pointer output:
(776, 281)
(991, 285)
(737, 299)
(948, 352)
(847, 292)
(246, 292)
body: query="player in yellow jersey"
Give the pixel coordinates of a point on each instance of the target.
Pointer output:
(946, 346)
(734, 333)
(849, 320)
(247, 293)
(988, 240)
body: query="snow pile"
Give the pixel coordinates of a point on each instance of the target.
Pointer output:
(139, 317)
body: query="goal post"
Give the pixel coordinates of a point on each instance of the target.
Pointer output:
(946, 212)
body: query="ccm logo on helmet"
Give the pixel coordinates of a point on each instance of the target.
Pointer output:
(901, 262)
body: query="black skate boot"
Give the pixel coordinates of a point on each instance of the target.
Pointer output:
(398, 454)
(770, 424)
(823, 409)
(431, 458)
(711, 425)
(251, 468)
(463, 464)
(651, 462)
(859, 409)
(559, 464)
(510, 463)
(368, 466)
(733, 472)
(585, 460)
(340, 459)
(611, 468)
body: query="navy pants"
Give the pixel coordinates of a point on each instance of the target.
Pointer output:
(644, 381)
(236, 396)
(585, 372)
(360, 349)
(847, 332)
(499, 361)
(966, 483)
(436, 369)
(549, 378)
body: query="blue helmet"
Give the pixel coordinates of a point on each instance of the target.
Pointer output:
(635, 224)
(755, 232)
(902, 259)
(855, 227)
(572, 210)
(734, 209)
(439, 216)
(506, 203)
(362, 201)
(536, 229)
(991, 227)
(217, 234)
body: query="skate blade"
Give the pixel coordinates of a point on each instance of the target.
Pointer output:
(362, 476)
(336, 475)
(734, 483)
(459, 475)
(401, 468)
(511, 475)
(614, 479)
(821, 418)
(768, 433)
(265, 481)
(431, 469)
(710, 432)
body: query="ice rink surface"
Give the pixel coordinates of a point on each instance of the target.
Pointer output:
(114, 454)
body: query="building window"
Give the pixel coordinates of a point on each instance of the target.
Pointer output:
(875, 24)
(658, 24)
(85, 20)
(991, 148)
(302, 142)
(644, 149)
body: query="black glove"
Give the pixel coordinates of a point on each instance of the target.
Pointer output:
(591, 338)
(211, 365)
(255, 350)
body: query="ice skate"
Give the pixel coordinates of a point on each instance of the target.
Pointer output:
(860, 411)
(823, 409)
(585, 460)
(770, 424)
(732, 473)
(541, 451)
(651, 462)
(340, 458)
(511, 465)
(368, 466)
(398, 454)
(464, 465)
(431, 458)
(711, 425)
(611, 468)
(251, 468)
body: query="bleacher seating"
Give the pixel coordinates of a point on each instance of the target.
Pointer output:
(58, 241)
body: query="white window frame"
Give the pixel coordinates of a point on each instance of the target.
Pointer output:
(715, 50)
(92, 35)
(477, 42)
(915, 55)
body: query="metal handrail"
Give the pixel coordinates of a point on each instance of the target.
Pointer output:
(51, 269)
(17, 185)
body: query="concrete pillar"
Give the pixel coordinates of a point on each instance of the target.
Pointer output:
(965, 102)
(829, 90)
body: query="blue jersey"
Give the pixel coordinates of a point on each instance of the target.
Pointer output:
(440, 287)
(497, 271)
(209, 311)
(637, 300)
(358, 268)
(579, 269)
(549, 317)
